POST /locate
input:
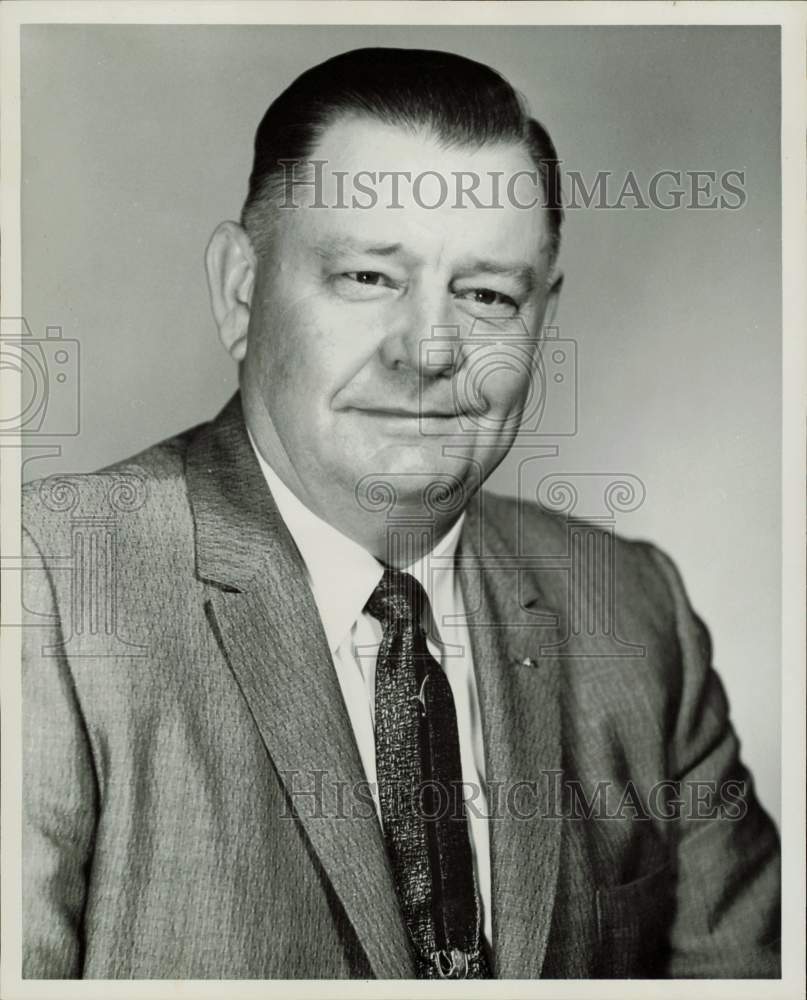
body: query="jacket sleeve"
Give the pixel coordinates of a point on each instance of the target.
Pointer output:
(727, 918)
(59, 788)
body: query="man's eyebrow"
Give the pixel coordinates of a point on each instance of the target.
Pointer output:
(525, 274)
(332, 246)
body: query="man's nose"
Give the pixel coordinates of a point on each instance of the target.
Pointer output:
(415, 335)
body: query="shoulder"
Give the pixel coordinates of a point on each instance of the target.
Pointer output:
(146, 487)
(568, 553)
(530, 529)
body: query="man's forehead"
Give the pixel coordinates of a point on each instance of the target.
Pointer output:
(357, 147)
(405, 237)
(377, 187)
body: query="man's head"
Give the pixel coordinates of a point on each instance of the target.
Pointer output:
(385, 333)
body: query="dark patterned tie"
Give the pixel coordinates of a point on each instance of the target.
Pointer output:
(420, 789)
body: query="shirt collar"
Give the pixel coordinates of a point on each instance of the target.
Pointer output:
(343, 575)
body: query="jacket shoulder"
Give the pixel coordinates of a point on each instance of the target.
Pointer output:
(148, 481)
(551, 545)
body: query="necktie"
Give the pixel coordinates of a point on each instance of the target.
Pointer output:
(420, 789)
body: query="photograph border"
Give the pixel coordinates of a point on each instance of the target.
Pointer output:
(792, 17)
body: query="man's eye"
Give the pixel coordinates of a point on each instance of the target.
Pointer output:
(488, 297)
(359, 286)
(366, 277)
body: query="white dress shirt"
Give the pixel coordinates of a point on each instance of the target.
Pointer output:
(342, 576)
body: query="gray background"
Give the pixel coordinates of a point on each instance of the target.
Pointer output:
(137, 142)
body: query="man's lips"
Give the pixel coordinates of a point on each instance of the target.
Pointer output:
(396, 411)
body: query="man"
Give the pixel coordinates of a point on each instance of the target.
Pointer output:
(301, 701)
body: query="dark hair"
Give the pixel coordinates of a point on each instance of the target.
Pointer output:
(462, 102)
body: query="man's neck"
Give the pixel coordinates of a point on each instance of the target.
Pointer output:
(398, 541)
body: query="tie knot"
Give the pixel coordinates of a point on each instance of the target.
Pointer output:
(398, 600)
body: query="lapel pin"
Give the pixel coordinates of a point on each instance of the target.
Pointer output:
(528, 661)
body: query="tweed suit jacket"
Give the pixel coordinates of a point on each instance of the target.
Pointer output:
(193, 802)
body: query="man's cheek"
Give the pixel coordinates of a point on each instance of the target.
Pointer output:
(494, 382)
(293, 351)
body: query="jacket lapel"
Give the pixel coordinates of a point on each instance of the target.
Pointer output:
(519, 692)
(269, 629)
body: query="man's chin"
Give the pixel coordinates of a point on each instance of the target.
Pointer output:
(416, 478)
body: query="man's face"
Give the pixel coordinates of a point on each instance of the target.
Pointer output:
(377, 336)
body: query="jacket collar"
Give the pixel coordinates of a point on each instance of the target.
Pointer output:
(513, 632)
(236, 522)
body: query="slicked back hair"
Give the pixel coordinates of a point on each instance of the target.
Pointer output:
(461, 102)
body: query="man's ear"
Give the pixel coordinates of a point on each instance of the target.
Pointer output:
(552, 298)
(230, 264)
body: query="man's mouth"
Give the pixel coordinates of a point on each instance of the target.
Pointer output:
(404, 413)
